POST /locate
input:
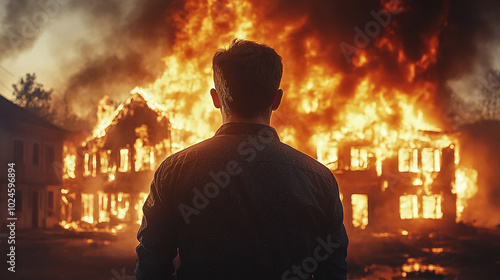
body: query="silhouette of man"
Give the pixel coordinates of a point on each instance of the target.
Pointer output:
(243, 205)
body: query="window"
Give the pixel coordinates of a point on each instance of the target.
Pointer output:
(431, 160)
(18, 151)
(415, 207)
(94, 165)
(359, 204)
(408, 207)
(36, 153)
(408, 160)
(104, 161)
(359, 159)
(50, 200)
(86, 162)
(124, 166)
(103, 199)
(69, 166)
(49, 155)
(431, 206)
(88, 208)
(328, 155)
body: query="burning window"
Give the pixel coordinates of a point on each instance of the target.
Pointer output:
(359, 210)
(431, 160)
(103, 207)
(359, 159)
(86, 164)
(431, 206)
(88, 208)
(69, 167)
(408, 160)
(120, 203)
(144, 157)
(94, 165)
(328, 155)
(124, 164)
(104, 161)
(408, 207)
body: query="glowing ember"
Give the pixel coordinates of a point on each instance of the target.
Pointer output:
(414, 266)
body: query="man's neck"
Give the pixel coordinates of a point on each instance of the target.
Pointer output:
(259, 120)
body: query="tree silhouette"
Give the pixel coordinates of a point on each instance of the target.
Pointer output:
(490, 92)
(33, 97)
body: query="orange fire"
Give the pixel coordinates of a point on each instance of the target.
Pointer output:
(389, 119)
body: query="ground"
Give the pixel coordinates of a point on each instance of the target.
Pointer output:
(461, 253)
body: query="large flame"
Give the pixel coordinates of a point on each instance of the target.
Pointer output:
(391, 118)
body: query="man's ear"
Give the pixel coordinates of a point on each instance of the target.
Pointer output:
(277, 100)
(215, 98)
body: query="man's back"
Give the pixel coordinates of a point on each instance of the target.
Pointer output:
(243, 205)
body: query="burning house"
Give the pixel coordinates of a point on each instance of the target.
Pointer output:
(414, 181)
(391, 176)
(376, 119)
(393, 96)
(106, 176)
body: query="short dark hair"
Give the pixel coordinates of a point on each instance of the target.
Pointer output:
(247, 76)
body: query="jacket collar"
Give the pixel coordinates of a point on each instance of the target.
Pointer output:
(261, 130)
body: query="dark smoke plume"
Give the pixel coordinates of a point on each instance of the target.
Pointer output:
(129, 38)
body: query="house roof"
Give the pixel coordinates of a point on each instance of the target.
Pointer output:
(11, 112)
(132, 114)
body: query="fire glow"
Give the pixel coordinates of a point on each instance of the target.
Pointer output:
(362, 128)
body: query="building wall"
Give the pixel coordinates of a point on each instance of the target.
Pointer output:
(381, 194)
(38, 166)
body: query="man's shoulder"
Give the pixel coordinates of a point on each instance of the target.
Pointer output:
(184, 154)
(214, 147)
(290, 155)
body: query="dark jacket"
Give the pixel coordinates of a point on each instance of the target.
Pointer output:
(242, 205)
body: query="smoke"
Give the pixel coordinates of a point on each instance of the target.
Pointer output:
(129, 54)
(12, 37)
(122, 48)
(128, 40)
(464, 29)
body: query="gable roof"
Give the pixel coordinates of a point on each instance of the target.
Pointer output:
(11, 112)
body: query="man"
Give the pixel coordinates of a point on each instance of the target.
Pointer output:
(243, 205)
